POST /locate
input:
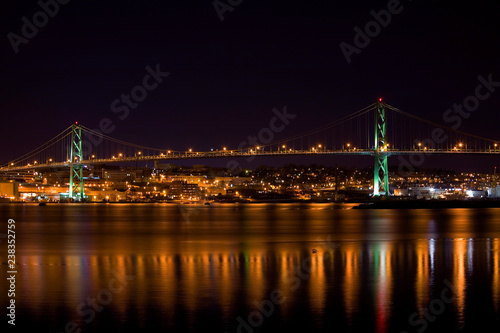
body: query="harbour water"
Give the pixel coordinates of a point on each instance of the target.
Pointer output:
(253, 268)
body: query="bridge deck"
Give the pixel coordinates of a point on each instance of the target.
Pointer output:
(240, 154)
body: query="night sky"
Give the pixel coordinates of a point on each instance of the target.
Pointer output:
(227, 76)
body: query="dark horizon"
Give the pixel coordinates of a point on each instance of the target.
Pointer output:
(225, 77)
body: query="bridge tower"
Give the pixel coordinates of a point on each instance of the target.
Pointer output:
(76, 168)
(381, 172)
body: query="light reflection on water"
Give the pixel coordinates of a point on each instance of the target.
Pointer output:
(371, 272)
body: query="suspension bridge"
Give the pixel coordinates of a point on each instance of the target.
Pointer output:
(379, 130)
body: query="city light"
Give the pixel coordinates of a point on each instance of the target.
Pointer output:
(190, 150)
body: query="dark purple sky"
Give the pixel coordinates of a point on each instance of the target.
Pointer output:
(226, 76)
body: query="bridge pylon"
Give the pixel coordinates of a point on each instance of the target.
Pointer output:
(381, 172)
(76, 168)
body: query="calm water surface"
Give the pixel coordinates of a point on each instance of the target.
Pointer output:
(253, 268)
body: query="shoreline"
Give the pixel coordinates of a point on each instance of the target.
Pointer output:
(429, 204)
(380, 204)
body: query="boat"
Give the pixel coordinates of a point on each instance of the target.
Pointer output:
(42, 200)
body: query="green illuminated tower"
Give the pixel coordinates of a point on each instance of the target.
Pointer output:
(76, 168)
(381, 174)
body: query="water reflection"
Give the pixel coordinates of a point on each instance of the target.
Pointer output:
(226, 281)
(495, 287)
(352, 279)
(423, 278)
(459, 267)
(370, 273)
